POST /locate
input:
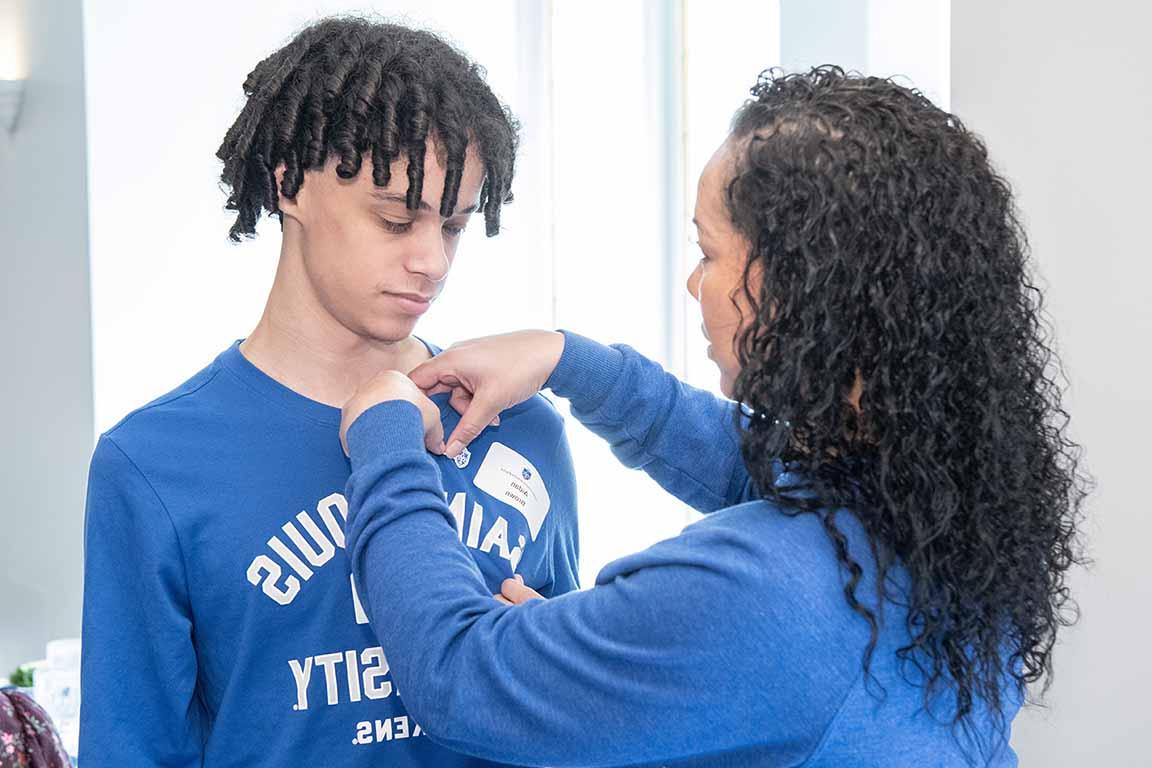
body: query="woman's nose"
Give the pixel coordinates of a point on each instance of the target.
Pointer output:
(693, 284)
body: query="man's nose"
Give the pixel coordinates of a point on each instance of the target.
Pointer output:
(430, 258)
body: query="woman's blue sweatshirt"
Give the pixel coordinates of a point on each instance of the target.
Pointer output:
(730, 644)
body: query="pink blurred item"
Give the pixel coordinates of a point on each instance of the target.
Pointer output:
(27, 736)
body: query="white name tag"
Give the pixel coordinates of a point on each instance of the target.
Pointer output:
(511, 478)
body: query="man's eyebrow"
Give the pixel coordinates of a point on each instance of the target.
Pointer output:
(392, 197)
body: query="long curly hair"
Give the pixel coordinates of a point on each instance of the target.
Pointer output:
(346, 86)
(887, 253)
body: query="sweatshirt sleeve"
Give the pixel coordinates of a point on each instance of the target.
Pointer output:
(630, 400)
(646, 665)
(138, 666)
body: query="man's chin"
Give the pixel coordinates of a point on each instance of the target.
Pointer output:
(388, 330)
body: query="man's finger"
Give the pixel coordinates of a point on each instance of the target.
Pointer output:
(502, 599)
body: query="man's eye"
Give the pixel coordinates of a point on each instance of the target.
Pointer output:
(453, 231)
(397, 227)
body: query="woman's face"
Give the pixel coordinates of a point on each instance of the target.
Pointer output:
(717, 281)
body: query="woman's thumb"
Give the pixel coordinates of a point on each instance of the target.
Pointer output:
(434, 376)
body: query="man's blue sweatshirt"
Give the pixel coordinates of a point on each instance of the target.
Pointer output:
(221, 623)
(731, 644)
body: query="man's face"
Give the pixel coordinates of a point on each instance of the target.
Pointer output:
(374, 265)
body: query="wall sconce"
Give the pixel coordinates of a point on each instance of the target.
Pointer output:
(11, 98)
(13, 61)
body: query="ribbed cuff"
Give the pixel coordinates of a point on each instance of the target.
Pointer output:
(393, 425)
(587, 370)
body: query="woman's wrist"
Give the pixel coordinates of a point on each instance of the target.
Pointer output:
(586, 371)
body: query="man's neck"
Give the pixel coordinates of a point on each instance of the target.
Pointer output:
(298, 343)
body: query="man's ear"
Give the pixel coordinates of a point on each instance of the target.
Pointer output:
(288, 205)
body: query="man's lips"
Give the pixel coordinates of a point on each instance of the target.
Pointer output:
(411, 296)
(410, 303)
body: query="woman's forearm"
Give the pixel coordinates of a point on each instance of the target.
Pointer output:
(639, 668)
(684, 438)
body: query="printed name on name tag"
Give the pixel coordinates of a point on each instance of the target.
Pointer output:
(511, 478)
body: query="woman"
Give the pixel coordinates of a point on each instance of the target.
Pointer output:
(893, 506)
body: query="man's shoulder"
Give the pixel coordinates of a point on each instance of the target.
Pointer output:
(538, 413)
(538, 408)
(181, 408)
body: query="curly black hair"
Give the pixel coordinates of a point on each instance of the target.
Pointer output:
(886, 250)
(348, 85)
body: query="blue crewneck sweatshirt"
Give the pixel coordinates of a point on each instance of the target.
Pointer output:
(221, 623)
(731, 644)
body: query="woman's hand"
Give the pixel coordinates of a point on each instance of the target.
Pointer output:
(488, 375)
(515, 592)
(393, 385)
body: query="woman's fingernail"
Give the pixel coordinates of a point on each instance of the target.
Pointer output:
(454, 448)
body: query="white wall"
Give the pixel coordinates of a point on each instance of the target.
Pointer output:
(1062, 93)
(909, 40)
(45, 377)
(904, 39)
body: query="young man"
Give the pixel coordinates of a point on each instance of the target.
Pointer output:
(221, 623)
